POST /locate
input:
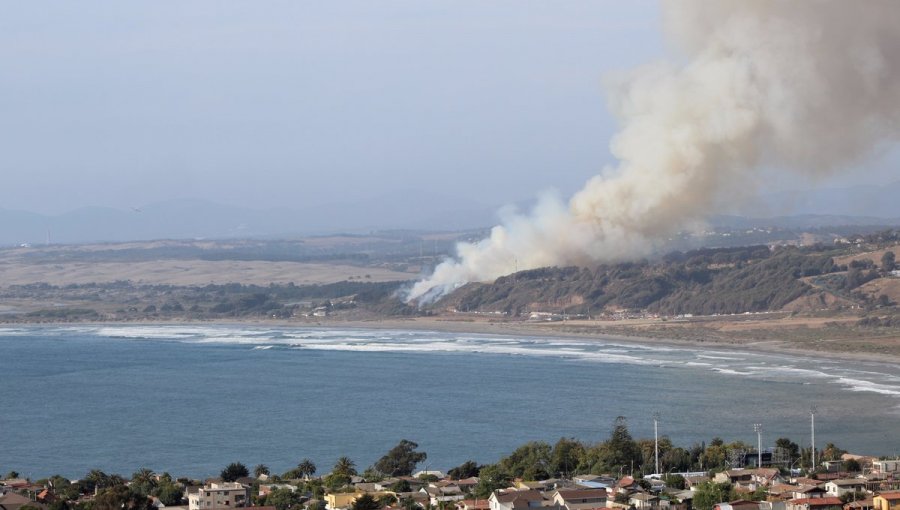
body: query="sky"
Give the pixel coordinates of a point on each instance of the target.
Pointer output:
(296, 104)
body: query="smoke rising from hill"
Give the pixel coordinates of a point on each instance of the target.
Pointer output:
(809, 87)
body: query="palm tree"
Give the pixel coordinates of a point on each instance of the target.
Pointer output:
(306, 468)
(143, 481)
(97, 479)
(344, 466)
(260, 469)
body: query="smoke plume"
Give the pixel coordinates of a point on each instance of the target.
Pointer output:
(801, 86)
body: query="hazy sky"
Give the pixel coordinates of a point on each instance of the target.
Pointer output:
(301, 103)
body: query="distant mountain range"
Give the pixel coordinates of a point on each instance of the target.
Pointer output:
(405, 209)
(188, 219)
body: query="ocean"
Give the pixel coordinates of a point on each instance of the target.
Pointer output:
(191, 399)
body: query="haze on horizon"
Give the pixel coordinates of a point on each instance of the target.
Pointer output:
(286, 104)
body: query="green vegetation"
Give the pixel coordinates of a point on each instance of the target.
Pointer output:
(401, 459)
(234, 471)
(733, 280)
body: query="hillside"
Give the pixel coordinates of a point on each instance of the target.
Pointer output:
(700, 282)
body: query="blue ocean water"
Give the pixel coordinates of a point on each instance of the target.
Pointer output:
(191, 399)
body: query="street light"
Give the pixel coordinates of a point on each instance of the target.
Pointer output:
(757, 427)
(656, 439)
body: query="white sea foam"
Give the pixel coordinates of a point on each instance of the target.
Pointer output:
(743, 364)
(860, 385)
(730, 371)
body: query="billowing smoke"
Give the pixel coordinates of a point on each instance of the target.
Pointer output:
(802, 86)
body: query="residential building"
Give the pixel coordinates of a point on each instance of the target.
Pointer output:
(862, 504)
(520, 500)
(807, 492)
(843, 486)
(644, 501)
(11, 501)
(886, 466)
(219, 496)
(829, 503)
(886, 501)
(738, 505)
(581, 499)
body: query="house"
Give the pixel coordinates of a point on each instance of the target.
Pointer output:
(442, 493)
(11, 501)
(219, 496)
(467, 484)
(807, 492)
(644, 501)
(265, 489)
(514, 499)
(821, 503)
(886, 501)
(473, 504)
(335, 500)
(626, 485)
(436, 474)
(886, 466)
(691, 482)
(594, 481)
(740, 504)
(750, 479)
(843, 486)
(862, 504)
(518, 500)
(580, 499)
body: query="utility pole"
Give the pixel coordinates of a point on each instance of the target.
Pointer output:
(656, 439)
(757, 427)
(812, 424)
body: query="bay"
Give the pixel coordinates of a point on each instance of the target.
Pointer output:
(191, 399)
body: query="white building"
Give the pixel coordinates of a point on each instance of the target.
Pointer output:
(219, 496)
(885, 466)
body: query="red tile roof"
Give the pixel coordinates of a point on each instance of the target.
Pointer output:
(818, 501)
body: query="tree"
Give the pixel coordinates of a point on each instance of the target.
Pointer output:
(674, 481)
(852, 466)
(168, 492)
(401, 486)
(888, 261)
(120, 497)
(11, 475)
(491, 478)
(372, 475)
(401, 460)
(566, 456)
(64, 489)
(708, 494)
(344, 467)
(260, 469)
(854, 278)
(832, 452)
(620, 451)
(282, 499)
(234, 471)
(530, 461)
(789, 447)
(467, 469)
(365, 502)
(386, 499)
(143, 481)
(306, 468)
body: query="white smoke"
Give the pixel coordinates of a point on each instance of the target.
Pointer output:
(803, 86)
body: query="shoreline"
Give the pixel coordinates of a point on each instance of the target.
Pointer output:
(588, 331)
